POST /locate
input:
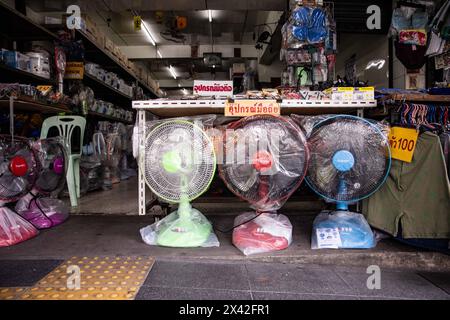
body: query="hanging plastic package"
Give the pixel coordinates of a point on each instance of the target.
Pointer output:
(341, 230)
(301, 18)
(317, 29)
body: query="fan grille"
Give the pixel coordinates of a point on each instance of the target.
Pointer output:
(12, 187)
(47, 152)
(194, 149)
(368, 145)
(256, 135)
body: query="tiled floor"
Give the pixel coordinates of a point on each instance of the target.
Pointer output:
(260, 281)
(99, 278)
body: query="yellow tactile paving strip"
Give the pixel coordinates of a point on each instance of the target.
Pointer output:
(101, 278)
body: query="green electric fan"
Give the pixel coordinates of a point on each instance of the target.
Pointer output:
(180, 164)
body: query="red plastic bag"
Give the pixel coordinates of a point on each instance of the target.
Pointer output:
(14, 229)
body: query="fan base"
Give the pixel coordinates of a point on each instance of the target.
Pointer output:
(184, 232)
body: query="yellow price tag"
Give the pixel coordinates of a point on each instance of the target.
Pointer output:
(137, 23)
(403, 143)
(44, 89)
(246, 108)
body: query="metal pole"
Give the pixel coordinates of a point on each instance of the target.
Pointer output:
(141, 159)
(11, 118)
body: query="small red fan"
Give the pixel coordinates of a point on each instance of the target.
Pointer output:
(18, 173)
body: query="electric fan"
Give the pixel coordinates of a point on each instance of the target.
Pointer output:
(266, 161)
(179, 166)
(113, 156)
(350, 160)
(18, 173)
(37, 206)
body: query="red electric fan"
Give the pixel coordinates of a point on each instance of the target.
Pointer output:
(266, 158)
(18, 173)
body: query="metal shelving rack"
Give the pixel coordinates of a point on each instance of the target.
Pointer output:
(179, 108)
(26, 29)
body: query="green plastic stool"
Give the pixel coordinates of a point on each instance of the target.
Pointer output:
(66, 126)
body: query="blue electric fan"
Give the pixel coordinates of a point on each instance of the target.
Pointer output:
(350, 160)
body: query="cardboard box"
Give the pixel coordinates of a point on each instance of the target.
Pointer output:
(109, 45)
(17, 60)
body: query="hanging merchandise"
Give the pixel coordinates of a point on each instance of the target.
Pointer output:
(350, 160)
(60, 64)
(309, 25)
(266, 161)
(40, 207)
(179, 167)
(416, 196)
(18, 172)
(409, 26)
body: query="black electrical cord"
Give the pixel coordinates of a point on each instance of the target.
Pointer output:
(236, 226)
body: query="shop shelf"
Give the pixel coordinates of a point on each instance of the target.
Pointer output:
(178, 108)
(30, 105)
(10, 75)
(107, 117)
(106, 92)
(95, 53)
(16, 26)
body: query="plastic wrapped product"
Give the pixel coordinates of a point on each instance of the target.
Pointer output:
(42, 213)
(341, 230)
(317, 28)
(301, 18)
(155, 231)
(14, 229)
(265, 233)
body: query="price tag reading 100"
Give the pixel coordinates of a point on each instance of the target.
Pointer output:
(403, 143)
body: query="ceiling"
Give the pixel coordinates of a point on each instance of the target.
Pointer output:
(235, 22)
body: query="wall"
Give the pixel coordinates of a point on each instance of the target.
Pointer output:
(367, 48)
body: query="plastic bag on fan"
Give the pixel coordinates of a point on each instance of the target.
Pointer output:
(173, 223)
(269, 163)
(341, 230)
(266, 233)
(14, 229)
(43, 213)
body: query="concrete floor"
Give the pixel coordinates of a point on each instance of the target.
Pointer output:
(106, 224)
(93, 235)
(121, 199)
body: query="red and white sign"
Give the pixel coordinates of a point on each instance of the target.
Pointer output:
(213, 88)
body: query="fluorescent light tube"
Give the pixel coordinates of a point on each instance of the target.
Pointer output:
(172, 72)
(210, 15)
(148, 33)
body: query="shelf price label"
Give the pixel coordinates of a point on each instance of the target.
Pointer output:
(246, 108)
(74, 70)
(137, 22)
(403, 142)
